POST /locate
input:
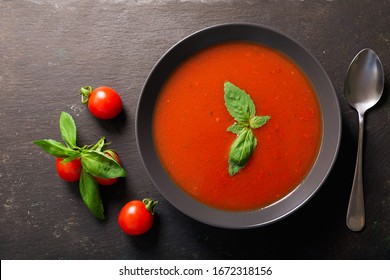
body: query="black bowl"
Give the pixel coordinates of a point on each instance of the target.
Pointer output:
(331, 124)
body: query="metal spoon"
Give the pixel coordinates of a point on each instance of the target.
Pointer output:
(363, 88)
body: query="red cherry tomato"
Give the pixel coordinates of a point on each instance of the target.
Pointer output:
(103, 102)
(69, 171)
(109, 181)
(136, 217)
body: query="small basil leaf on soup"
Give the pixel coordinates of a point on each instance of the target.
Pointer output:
(238, 103)
(237, 127)
(258, 121)
(241, 150)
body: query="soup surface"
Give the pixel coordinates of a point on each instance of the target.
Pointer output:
(190, 122)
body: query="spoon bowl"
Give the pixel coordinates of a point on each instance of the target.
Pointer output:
(363, 88)
(365, 80)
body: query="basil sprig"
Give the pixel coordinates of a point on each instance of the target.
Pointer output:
(241, 107)
(94, 162)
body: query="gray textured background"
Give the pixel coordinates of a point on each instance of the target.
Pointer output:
(50, 48)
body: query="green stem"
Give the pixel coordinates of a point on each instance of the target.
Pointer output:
(150, 204)
(100, 144)
(85, 93)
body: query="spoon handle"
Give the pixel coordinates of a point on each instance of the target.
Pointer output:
(355, 213)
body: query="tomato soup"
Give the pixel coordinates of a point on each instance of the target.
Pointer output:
(190, 122)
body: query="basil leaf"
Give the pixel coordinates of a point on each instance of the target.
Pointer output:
(70, 158)
(258, 121)
(241, 150)
(90, 192)
(237, 127)
(68, 129)
(55, 148)
(100, 165)
(238, 103)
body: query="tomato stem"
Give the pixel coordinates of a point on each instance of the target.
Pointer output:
(150, 204)
(85, 93)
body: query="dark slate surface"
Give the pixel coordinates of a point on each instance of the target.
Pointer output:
(50, 48)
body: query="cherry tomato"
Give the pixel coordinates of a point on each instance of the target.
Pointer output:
(136, 217)
(109, 181)
(103, 102)
(69, 171)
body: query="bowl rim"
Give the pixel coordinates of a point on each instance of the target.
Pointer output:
(331, 124)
